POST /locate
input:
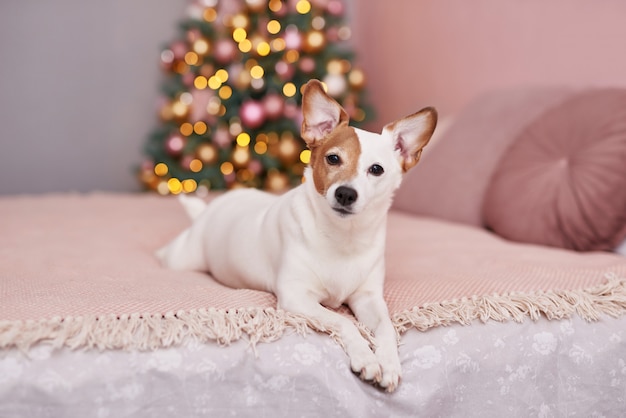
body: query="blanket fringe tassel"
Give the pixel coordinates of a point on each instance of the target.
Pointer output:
(148, 332)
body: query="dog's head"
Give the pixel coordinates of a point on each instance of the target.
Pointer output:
(354, 169)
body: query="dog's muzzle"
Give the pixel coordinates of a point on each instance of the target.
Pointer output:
(345, 197)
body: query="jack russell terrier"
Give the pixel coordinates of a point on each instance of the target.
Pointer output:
(322, 244)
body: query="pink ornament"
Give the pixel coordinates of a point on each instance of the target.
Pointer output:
(332, 34)
(174, 145)
(188, 78)
(293, 112)
(222, 137)
(193, 35)
(285, 71)
(335, 7)
(252, 114)
(292, 4)
(255, 166)
(273, 104)
(225, 50)
(307, 64)
(320, 3)
(230, 8)
(147, 165)
(186, 160)
(292, 37)
(179, 48)
(199, 103)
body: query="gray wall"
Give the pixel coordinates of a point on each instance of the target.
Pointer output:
(79, 82)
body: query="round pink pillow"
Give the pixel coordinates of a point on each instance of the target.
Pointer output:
(563, 180)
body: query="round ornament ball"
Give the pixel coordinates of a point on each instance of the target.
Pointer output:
(222, 137)
(314, 41)
(207, 153)
(276, 181)
(193, 35)
(255, 167)
(320, 3)
(292, 38)
(284, 70)
(252, 114)
(273, 105)
(357, 78)
(225, 50)
(335, 7)
(288, 149)
(179, 49)
(186, 160)
(174, 144)
(306, 64)
(336, 84)
(293, 112)
(256, 5)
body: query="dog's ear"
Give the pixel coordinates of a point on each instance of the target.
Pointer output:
(321, 113)
(411, 134)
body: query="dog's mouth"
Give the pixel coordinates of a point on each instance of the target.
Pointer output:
(343, 211)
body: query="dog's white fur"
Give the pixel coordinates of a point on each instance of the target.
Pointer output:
(313, 247)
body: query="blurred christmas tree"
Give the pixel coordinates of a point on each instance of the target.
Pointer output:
(230, 114)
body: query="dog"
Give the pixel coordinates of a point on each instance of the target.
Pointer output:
(321, 244)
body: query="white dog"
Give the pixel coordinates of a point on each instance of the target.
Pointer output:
(322, 243)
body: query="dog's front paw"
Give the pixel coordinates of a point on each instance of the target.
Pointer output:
(366, 366)
(390, 379)
(391, 371)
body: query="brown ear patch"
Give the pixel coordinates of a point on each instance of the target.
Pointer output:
(344, 142)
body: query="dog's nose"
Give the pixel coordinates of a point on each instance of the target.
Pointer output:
(345, 195)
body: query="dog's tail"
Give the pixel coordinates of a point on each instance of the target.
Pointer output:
(194, 206)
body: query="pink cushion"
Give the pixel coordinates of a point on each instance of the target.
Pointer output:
(563, 182)
(452, 177)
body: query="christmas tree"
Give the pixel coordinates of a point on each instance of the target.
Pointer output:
(230, 114)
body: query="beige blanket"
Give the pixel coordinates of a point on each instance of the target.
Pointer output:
(78, 270)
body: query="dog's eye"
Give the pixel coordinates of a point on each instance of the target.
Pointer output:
(376, 170)
(333, 159)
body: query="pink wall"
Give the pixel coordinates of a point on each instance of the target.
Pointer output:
(443, 53)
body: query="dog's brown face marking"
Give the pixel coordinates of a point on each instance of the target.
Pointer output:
(344, 143)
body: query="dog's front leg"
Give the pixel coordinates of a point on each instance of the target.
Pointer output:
(362, 359)
(371, 310)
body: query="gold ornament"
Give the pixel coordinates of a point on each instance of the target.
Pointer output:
(240, 20)
(207, 153)
(334, 66)
(241, 156)
(180, 110)
(209, 14)
(148, 178)
(257, 5)
(195, 165)
(244, 175)
(288, 148)
(314, 41)
(356, 78)
(276, 181)
(201, 46)
(165, 113)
